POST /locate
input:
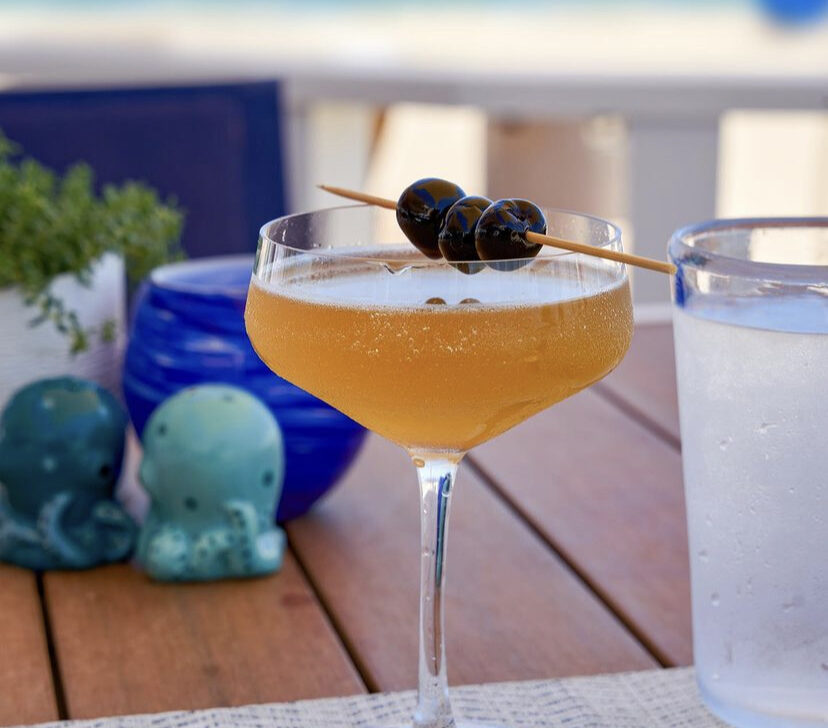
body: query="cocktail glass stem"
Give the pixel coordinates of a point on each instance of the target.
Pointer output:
(436, 473)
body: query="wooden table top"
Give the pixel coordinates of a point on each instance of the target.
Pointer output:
(567, 556)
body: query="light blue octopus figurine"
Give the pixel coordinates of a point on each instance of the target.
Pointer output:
(61, 447)
(213, 467)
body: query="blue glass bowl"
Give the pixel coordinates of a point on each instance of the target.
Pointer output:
(188, 328)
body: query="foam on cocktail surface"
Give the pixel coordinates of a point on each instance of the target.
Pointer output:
(405, 279)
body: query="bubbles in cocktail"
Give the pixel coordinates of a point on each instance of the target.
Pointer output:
(431, 358)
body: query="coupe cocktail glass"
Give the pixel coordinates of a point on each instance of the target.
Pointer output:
(434, 359)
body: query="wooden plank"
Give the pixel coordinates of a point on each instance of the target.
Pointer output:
(26, 690)
(128, 645)
(645, 382)
(608, 493)
(514, 611)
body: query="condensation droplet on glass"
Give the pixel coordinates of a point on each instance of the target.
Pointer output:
(703, 555)
(708, 521)
(724, 444)
(793, 603)
(715, 675)
(765, 427)
(714, 599)
(419, 462)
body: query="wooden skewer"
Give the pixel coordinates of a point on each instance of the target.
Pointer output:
(660, 266)
(657, 265)
(360, 197)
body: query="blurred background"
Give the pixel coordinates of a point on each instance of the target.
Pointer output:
(652, 114)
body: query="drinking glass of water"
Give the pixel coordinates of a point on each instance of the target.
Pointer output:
(751, 335)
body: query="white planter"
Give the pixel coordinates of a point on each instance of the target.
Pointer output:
(29, 352)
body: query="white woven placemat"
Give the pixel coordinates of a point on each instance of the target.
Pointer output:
(652, 699)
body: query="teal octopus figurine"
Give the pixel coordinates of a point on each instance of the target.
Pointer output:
(61, 447)
(213, 466)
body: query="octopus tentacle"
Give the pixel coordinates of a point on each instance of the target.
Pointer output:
(270, 549)
(167, 554)
(244, 523)
(257, 550)
(114, 530)
(211, 552)
(55, 539)
(13, 532)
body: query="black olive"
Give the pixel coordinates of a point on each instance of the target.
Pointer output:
(456, 239)
(501, 232)
(421, 211)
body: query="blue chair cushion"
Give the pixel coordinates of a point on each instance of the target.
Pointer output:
(216, 149)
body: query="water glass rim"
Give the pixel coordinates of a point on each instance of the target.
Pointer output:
(613, 241)
(685, 254)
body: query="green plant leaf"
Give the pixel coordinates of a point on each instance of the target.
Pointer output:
(52, 224)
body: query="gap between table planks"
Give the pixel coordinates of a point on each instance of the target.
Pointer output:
(128, 645)
(644, 384)
(514, 611)
(606, 491)
(26, 690)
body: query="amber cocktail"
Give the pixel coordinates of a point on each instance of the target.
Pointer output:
(434, 359)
